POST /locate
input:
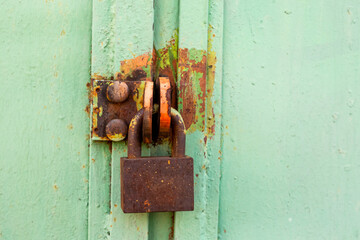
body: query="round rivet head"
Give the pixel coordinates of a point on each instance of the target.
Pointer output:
(117, 92)
(116, 130)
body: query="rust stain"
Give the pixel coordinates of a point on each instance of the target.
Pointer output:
(135, 68)
(171, 233)
(146, 204)
(166, 64)
(211, 70)
(97, 76)
(70, 126)
(62, 33)
(192, 88)
(110, 146)
(196, 85)
(55, 187)
(87, 110)
(90, 97)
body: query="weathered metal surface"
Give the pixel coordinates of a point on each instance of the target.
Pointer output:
(104, 111)
(116, 130)
(157, 184)
(148, 113)
(117, 92)
(165, 106)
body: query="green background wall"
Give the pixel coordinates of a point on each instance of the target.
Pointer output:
(286, 99)
(291, 117)
(44, 67)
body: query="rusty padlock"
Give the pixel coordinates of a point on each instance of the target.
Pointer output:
(157, 184)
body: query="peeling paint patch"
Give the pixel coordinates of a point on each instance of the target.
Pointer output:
(136, 68)
(192, 87)
(211, 69)
(196, 77)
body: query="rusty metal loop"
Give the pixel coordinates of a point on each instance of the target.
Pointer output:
(134, 135)
(148, 112)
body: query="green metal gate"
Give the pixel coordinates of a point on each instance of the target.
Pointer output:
(269, 92)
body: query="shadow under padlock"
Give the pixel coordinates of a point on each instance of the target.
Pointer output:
(157, 184)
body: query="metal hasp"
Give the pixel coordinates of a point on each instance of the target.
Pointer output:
(157, 184)
(114, 104)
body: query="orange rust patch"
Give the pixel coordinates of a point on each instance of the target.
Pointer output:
(192, 88)
(110, 146)
(96, 76)
(133, 69)
(87, 110)
(146, 203)
(171, 234)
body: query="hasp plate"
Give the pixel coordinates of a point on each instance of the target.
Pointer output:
(103, 111)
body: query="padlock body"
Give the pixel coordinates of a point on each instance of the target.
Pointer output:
(157, 184)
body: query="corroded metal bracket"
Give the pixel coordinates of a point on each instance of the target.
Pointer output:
(112, 111)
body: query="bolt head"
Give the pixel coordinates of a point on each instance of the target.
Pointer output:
(117, 92)
(116, 130)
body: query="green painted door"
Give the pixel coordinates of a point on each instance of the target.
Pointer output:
(269, 92)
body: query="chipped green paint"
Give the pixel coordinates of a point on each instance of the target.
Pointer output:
(139, 97)
(167, 57)
(192, 87)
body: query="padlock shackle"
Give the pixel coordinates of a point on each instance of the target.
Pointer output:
(178, 135)
(134, 135)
